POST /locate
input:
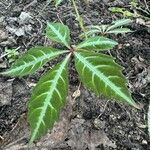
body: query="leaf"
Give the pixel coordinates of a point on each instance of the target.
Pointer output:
(90, 32)
(119, 23)
(47, 99)
(120, 30)
(101, 74)
(32, 61)
(57, 2)
(97, 43)
(101, 28)
(59, 33)
(93, 29)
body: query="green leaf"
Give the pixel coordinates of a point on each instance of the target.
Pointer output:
(58, 2)
(120, 30)
(101, 74)
(59, 33)
(32, 61)
(101, 28)
(119, 23)
(47, 99)
(89, 33)
(97, 43)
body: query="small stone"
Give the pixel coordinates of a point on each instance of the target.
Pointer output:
(144, 142)
(138, 137)
(3, 65)
(1, 21)
(76, 94)
(24, 18)
(142, 126)
(140, 21)
(5, 93)
(3, 35)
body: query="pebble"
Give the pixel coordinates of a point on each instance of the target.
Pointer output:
(3, 35)
(24, 18)
(144, 142)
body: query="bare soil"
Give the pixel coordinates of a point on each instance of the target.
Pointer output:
(87, 122)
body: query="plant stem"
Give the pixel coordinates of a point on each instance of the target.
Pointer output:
(79, 18)
(4, 55)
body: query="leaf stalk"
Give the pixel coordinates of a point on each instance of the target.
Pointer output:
(79, 18)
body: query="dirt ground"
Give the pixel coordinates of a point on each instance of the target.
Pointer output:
(87, 122)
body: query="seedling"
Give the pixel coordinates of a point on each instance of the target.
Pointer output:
(115, 27)
(128, 14)
(124, 12)
(11, 54)
(97, 71)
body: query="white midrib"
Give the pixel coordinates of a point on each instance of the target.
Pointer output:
(116, 25)
(94, 43)
(59, 35)
(49, 96)
(102, 77)
(40, 59)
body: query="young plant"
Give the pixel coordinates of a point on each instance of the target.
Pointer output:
(124, 12)
(115, 27)
(137, 13)
(12, 54)
(97, 71)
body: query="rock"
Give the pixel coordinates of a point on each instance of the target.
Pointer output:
(19, 31)
(144, 142)
(3, 35)
(3, 65)
(1, 21)
(5, 93)
(16, 31)
(24, 18)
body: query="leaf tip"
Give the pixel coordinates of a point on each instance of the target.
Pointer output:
(137, 106)
(116, 43)
(5, 73)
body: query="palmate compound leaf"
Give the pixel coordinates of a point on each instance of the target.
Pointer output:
(97, 43)
(32, 61)
(101, 74)
(48, 97)
(59, 33)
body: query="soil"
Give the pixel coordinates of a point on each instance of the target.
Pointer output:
(87, 122)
